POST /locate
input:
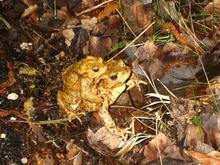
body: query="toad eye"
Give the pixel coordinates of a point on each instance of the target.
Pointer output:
(95, 69)
(114, 77)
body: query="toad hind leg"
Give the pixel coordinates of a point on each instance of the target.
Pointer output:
(110, 124)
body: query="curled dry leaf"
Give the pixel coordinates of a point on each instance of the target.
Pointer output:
(104, 139)
(68, 34)
(29, 10)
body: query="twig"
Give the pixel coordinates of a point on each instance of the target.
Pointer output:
(7, 24)
(126, 23)
(93, 8)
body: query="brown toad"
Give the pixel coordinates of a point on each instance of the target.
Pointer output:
(93, 85)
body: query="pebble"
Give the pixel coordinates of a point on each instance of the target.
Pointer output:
(24, 160)
(13, 118)
(12, 96)
(3, 136)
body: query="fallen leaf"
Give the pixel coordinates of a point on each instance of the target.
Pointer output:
(104, 138)
(199, 157)
(157, 144)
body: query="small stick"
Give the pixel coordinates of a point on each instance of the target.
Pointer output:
(93, 8)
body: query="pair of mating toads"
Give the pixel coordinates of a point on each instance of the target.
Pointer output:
(91, 85)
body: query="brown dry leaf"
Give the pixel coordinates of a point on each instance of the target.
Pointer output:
(110, 8)
(69, 35)
(103, 138)
(159, 142)
(199, 157)
(29, 10)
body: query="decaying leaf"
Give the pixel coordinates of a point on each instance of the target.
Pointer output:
(103, 138)
(28, 71)
(110, 8)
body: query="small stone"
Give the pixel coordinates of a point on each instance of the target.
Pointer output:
(12, 96)
(13, 118)
(24, 160)
(3, 136)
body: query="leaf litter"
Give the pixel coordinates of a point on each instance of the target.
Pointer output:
(172, 45)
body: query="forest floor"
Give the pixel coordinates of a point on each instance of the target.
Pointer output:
(171, 45)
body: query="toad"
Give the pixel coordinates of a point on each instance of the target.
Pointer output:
(93, 85)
